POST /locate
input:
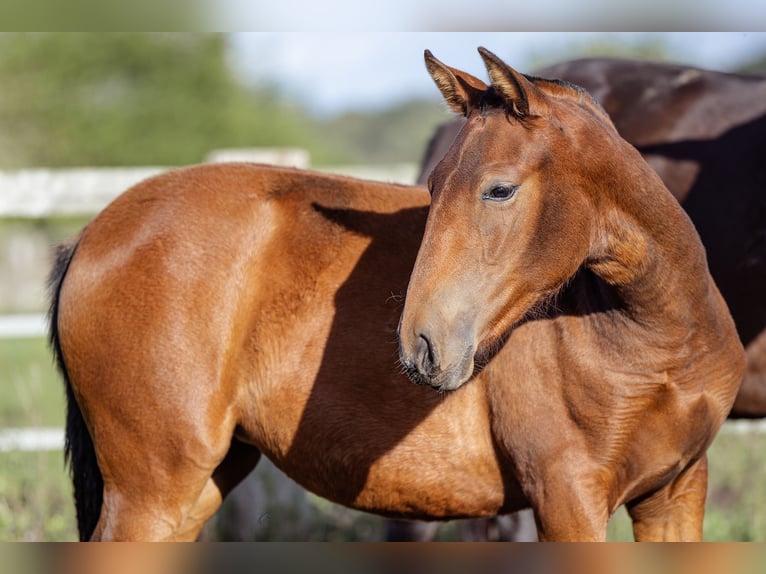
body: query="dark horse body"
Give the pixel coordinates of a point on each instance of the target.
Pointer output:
(704, 133)
(215, 313)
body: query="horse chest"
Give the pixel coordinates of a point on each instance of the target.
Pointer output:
(554, 389)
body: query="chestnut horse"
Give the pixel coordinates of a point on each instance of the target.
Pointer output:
(704, 133)
(216, 313)
(538, 199)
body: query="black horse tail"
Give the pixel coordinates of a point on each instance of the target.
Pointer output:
(78, 446)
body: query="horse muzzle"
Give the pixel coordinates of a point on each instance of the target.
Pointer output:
(422, 360)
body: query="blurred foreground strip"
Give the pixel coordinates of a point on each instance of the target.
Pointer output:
(379, 558)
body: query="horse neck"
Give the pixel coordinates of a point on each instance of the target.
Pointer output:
(648, 250)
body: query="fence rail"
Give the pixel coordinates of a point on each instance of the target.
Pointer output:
(44, 192)
(36, 193)
(23, 326)
(31, 439)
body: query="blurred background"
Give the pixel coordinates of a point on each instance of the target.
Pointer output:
(84, 115)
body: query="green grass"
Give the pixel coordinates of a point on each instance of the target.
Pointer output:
(736, 507)
(31, 392)
(35, 498)
(35, 492)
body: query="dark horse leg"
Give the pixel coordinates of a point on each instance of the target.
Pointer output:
(238, 464)
(410, 530)
(751, 399)
(516, 527)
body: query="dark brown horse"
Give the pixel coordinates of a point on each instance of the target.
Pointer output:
(216, 313)
(704, 132)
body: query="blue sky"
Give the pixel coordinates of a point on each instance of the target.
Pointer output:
(331, 72)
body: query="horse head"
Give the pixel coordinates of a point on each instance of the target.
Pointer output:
(512, 214)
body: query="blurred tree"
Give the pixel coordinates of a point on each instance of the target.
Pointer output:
(111, 99)
(132, 98)
(757, 66)
(396, 134)
(641, 48)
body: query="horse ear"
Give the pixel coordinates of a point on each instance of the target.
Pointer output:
(461, 90)
(514, 87)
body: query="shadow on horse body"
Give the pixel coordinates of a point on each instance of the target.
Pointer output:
(216, 313)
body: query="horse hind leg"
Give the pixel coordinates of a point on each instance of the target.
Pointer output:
(238, 463)
(170, 491)
(676, 511)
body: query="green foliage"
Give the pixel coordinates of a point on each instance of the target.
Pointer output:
(73, 99)
(130, 99)
(736, 492)
(111, 99)
(397, 134)
(756, 66)
(35, 490)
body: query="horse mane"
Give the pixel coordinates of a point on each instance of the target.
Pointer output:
(567, 90)
(560, 89)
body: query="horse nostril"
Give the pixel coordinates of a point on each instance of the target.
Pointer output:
(426, 355)
(422, 363)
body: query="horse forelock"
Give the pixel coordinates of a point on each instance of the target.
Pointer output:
(491, 99)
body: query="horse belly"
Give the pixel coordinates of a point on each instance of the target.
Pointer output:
(376, 442)
(446, 486)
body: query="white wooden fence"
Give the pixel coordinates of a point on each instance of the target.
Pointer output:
(38, 193)
(22, 326)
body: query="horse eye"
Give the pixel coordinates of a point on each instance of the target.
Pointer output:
(500, 192)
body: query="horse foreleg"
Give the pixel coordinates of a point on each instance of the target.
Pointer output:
(571, 523)
(567, 508)
(676, 511)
